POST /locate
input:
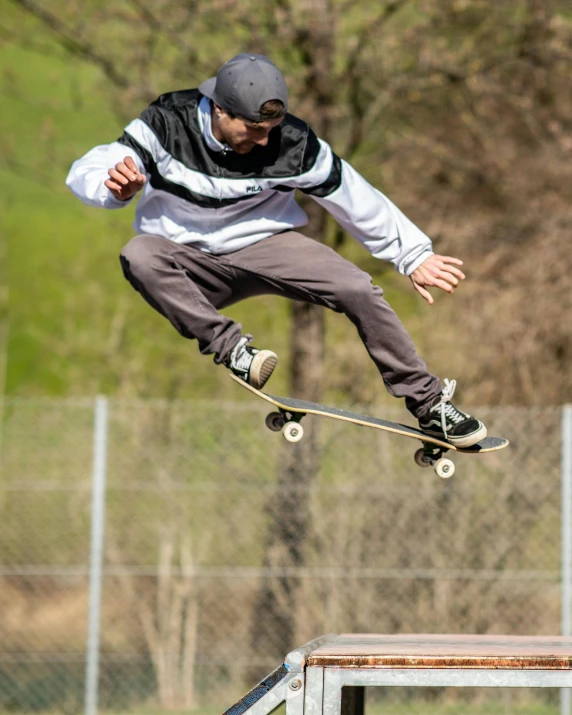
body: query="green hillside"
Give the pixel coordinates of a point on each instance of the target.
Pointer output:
(76, 326)
(459, 111)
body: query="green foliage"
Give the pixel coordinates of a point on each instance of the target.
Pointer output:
(76, 326)
(436, 103)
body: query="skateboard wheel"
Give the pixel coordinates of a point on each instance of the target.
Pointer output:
(444, 468)
(420, 459)
(274, 421)
(293, 431)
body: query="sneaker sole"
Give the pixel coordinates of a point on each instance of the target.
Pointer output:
(262, 367)
(467, 440)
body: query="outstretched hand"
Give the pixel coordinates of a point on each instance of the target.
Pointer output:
(439, 272)
(125, 180)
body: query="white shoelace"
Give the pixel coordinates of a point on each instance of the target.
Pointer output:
(446, 408)
(241, 357)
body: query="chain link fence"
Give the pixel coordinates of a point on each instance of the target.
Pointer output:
(225, 546)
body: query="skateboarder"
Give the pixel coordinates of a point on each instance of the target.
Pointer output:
(218, 167)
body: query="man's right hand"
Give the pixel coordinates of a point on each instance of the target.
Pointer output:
(125, 180)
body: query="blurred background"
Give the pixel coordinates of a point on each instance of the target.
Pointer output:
(221, 546)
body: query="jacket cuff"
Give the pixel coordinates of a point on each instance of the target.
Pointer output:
(115, 203)
(418, 261)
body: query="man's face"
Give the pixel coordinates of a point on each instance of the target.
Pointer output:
(241, 135)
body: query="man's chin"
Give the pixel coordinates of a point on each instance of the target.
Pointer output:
(243, 148)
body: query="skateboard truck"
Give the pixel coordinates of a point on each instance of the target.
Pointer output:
(432, 456)
(286, 422)
(289, 412)
(429, 456)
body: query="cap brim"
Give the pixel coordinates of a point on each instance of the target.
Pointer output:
(207, 87)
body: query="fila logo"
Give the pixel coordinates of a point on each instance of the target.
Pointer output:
(253, 189)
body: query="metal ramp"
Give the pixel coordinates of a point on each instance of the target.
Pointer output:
(328, 675)
(285, 684)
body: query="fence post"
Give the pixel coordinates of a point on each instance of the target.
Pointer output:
(96, 553)
(566, 548)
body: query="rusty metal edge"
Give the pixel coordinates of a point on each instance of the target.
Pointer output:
(297, 659)
(484, 662)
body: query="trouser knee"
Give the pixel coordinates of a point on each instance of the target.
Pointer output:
(140, 257)
(356, 294)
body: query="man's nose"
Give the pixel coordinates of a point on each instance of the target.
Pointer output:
(263, 141)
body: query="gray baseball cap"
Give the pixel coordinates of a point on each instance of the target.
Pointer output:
(244, 83)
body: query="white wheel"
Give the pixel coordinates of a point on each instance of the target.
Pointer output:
(420, 458)
(293, 431)
(274, 421)
(444, 468)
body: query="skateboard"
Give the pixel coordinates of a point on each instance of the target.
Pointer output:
(290, 412)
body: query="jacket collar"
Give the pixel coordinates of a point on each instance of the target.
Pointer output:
(205, 123)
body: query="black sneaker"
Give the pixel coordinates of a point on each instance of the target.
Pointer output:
(251, 365)
(446, 422)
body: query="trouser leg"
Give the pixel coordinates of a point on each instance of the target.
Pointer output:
(307, 270)
(188, 287)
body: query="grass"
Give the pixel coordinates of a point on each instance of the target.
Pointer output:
(418, 706)
(491, 707)
(76, 327)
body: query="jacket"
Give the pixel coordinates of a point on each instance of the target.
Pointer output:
(198, 191)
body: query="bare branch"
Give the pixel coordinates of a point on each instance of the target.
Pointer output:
(26, 42)
(286, 8)
(346, 6)
(367, 32)
(352, 77)
(154, 24)
(75, 45)
(146, 14)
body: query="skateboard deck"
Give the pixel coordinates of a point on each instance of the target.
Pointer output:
(291, 411)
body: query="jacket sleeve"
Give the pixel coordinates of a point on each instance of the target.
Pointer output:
(141, 140)
(366, 213)
(87, 175)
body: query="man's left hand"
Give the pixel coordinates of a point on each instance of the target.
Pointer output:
(439, 272)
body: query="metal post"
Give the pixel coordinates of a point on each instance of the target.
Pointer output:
(96, 556)
(566, 548)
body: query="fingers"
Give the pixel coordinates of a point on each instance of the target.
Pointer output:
(133, 173)
(425, 293)
(118, 176)
(451, 270)
(125, 180)
(128, 170)
(438, 283)
(446, 281)
(445, 265)
(130, 164)
(449, 278)
(435, 278)
(112, 186)
(441, 265)
(442, 272)
(450, 259)
(438, 272)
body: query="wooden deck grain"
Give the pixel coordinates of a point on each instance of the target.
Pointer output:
(444, 651)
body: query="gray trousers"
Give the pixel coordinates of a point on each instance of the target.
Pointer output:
(189, 287)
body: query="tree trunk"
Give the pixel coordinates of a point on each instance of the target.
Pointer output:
(288, 509)
(274, 623)
(4, 333)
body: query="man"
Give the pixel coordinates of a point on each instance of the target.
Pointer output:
(218, 167)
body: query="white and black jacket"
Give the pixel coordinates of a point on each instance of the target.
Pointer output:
(200, 192)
